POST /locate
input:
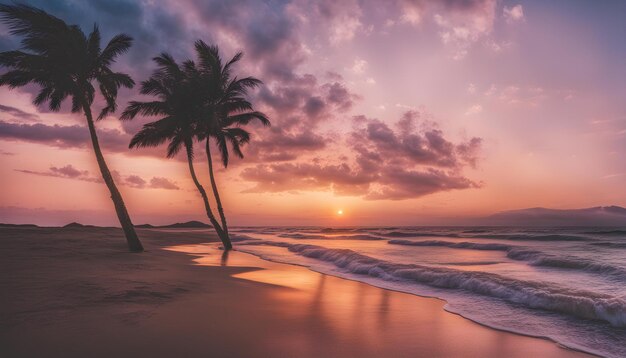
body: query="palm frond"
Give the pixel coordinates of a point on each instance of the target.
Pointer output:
(118, 45)
(222, 146)
(153, 134)
(153, 108)
(93, 43)
(246, 118)
(35, 25)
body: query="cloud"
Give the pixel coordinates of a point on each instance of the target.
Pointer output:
(67, 172)
(513, 14)
(409, 160)
(519, 95)
(17, 113)
(306, 176)
(340, 21)
(474, 109)
(274, 36)
(399, 183)
(74, 136)
(461, 23)
(163, 183)
(134, 181)
(297, 108)
(358, 66)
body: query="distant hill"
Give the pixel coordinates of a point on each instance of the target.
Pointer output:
(596, 216)
(18, 225)
(77, 225)
(186, 225)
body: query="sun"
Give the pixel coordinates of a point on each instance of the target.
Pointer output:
(340, 212)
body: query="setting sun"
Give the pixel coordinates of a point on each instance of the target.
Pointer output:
(340, 212)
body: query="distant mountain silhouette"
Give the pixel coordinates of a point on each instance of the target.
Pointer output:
(77, 225)
(18, 225)
(186, 225)
(595, 216)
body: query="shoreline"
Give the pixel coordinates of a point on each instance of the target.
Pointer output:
(445, 307)
(76, 292)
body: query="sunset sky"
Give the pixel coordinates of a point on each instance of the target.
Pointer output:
(396, 112)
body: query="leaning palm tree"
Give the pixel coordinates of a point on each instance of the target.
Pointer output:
(226, 109)
(65, 62)
(178, 103)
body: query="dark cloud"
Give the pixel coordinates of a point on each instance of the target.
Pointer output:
(306, 176)
(74, 136)
(17, 113)
(409, 161)
(412, 143)
(133, 181)
(297, 108)
(268, 33)
(278, 145)
(68, 172)
(163, 183)
(400, 183)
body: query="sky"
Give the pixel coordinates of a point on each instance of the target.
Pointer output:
(402, 112)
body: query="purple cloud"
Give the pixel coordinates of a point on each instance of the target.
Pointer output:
(410, 161)
(68, 172)
(133, 181)
(74, 136)
(163, 183)
(17, 113)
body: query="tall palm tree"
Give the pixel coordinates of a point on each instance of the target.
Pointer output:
(226, 110)
(178, 103)
(65, 62)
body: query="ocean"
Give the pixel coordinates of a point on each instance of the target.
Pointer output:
(565, 284)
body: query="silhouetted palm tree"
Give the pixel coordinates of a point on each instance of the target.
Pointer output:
(65, 62)
(226, 110)
(179, 104)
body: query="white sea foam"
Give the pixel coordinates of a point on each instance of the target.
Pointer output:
(536, 295)
(534, 257)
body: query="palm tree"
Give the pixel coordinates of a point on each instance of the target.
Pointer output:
(179, 103)
(226, 110)
(65, 62)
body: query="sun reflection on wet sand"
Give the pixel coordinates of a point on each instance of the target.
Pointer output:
(357, 317)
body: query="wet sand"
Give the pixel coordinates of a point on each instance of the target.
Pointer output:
(77, 292)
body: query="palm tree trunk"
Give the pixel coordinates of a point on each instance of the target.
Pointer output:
(220, 209)
(218, 229)
(134, 244)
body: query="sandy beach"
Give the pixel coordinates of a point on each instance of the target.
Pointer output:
(76, 292)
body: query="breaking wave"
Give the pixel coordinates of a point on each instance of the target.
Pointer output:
(523, 237)
(334, 237)
(618, 245)
(533, 257)
(535, 295)
(456, 245)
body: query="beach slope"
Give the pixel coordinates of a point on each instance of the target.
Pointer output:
(76, 292)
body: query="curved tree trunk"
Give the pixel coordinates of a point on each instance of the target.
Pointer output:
(218, 229)
(220, 209)
(122, 214)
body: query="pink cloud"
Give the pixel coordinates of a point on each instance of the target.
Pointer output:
(411, 160)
